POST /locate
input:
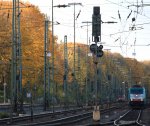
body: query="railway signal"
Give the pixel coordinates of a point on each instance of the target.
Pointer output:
(96, 24)
(96, 32)
(93, 48)
(100, 51)
(96, 37)
(97, 50)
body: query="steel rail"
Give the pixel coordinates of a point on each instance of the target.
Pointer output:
(133, 122)
(138, 119)
(36, 116)
(66, 120)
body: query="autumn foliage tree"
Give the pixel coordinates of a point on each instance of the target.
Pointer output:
(32, 39)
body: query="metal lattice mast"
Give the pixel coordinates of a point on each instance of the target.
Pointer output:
(13, 60)
(45, 62)
(79, 74)
(16, 65)
(65, 70)
(48, 69)
(53, 45)
(19, 57)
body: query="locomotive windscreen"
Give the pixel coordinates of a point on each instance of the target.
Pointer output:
(137, 91)
(137, 86)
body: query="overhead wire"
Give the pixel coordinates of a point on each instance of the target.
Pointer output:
(119, 15)
(121, 5)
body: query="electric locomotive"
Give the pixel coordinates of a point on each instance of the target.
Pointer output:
(137, 96)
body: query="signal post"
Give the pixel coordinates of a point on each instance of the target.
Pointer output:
(97, 53)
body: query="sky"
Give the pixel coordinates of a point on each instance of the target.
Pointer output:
(130, 36)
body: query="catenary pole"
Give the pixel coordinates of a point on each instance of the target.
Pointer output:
(74, 75)
(86, 93)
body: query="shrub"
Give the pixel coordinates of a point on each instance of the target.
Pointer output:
(4, 115)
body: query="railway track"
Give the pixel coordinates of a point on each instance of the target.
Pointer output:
(62, 117)
(69, 117)
(69, 120)
(74, 119)
(38, 117)
(131, 117)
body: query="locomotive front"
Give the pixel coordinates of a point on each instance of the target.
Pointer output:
(137, 96)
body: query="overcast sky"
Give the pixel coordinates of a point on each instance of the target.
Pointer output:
(118, 37)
